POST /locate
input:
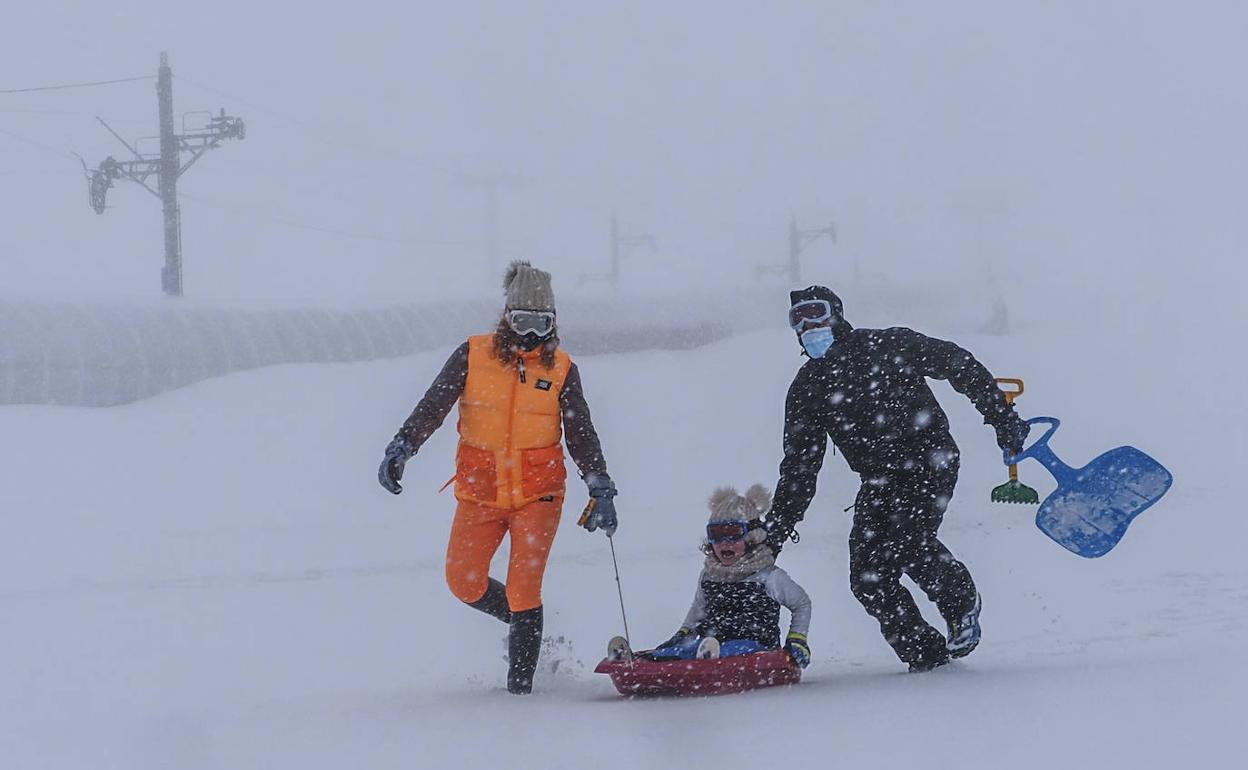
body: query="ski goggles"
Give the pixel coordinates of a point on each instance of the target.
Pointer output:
(727, 531)
(810, 311)
(539, 322)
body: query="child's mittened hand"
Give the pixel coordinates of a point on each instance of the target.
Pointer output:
(798, 649)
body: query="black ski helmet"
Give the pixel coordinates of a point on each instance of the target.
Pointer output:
(840, 327)
(818, 292)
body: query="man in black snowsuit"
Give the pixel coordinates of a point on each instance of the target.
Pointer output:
(867, 389)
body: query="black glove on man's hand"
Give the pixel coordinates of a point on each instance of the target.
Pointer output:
(398, 452)
(777, 535)
(1012, 434)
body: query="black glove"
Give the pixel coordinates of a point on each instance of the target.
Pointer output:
(1012, 433)
(602, 493)
(398, 452)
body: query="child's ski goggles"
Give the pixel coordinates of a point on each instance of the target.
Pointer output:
(537, 322)
(727, 531)
(809, 311)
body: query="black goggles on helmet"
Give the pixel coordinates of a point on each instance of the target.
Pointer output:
(539, 322)
(809, 311)
(729, 531)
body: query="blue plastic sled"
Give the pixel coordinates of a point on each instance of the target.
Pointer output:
(1089, 511)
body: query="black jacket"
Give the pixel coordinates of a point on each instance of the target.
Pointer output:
(870, 394)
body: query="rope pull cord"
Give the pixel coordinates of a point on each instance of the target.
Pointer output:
(620, 590)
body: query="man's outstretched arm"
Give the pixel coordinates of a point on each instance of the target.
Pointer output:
(805, 442)
(945, 360)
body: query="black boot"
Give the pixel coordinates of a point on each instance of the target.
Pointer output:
(929, 662)
(923, 648)
(524, 642)
(494, 602)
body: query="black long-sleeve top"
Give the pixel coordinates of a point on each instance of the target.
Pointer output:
(870, 395)
(448, 386)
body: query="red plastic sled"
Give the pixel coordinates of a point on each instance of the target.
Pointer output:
(701, 677)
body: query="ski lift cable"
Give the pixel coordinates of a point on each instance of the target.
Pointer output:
(39, 145)
(64, 86)
(73, 113)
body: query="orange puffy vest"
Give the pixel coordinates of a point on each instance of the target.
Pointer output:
(510, 428)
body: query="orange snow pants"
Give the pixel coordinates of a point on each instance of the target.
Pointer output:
(476, 534)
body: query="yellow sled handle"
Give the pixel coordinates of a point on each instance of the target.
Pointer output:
(589, 508)
(1010, 395)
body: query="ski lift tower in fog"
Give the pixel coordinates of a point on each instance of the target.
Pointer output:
(167, 167)
(492, 184)
(621, 246)
(799, 239)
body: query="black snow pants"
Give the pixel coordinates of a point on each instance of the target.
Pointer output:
(896, 516)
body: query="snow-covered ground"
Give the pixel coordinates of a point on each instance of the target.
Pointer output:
(214, 579)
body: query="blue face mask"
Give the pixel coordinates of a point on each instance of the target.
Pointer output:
(817, 341)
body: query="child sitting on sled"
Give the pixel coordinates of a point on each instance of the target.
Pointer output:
(736, 609)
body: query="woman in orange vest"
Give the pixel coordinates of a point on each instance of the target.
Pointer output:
(518, 395)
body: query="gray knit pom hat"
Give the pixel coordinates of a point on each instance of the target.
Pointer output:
(528, 288)
(726, 504)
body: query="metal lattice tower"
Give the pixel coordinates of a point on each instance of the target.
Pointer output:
(621, 247)
(167, 167)
(799, 239)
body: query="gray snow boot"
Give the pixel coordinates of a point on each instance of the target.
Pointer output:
(524, 644)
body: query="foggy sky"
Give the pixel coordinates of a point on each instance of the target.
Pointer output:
(1098, 144)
